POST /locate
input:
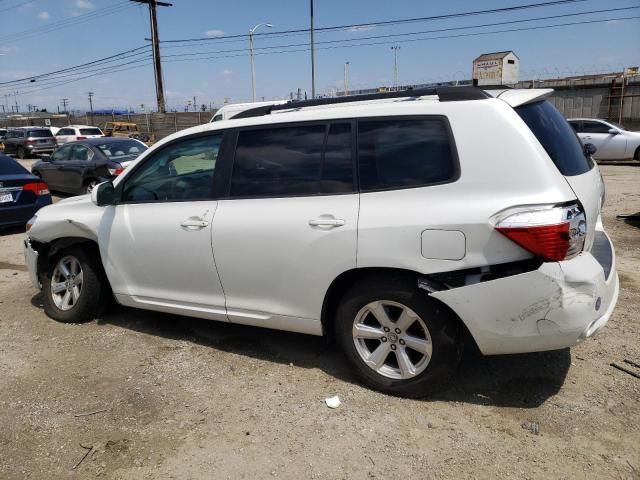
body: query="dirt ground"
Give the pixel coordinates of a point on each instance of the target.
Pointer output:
(151, 396)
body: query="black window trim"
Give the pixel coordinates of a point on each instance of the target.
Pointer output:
(327, 124)
(223, 152)
(455, 159)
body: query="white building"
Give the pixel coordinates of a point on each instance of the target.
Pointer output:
(498, 68)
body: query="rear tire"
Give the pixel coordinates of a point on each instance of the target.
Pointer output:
(637, 154)
(21, 153)
(398, 340)
(90, 185)
(73, 287)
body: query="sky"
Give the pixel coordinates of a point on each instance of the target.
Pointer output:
(43, 36)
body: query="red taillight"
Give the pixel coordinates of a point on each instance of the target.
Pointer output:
(29, 142)
(38, 188)
(116, 171)
(552, 233)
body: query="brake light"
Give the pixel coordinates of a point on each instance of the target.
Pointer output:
(116, 171)
(38, 188)
(29, 142)
(553, 233)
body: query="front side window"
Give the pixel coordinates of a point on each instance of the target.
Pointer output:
(278, 161)
(62, 153)
(595, 127)
(404, 153)
(181, 171)
(81, 153)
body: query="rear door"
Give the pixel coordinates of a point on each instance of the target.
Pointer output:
(288, 226)
(563, 147)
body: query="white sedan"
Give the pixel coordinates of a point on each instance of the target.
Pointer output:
(612, 141)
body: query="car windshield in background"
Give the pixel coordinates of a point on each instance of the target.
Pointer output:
(617, 125)
(39, 133)
(8, 166)
(556, 136)
(90, 131)
(125, 148)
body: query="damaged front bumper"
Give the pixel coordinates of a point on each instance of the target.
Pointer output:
(31, 260)
(556, 306)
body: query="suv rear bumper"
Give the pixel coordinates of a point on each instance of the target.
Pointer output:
(556, 306)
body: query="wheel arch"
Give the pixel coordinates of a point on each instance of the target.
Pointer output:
(345, 280)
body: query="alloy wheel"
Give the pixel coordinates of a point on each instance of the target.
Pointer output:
(66, 283)
(392, 339)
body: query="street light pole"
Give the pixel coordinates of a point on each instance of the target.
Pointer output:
(253, 65)
(346, 78)
(313, 56)
(395, 66)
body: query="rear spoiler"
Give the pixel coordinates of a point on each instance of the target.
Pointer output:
(517, 97)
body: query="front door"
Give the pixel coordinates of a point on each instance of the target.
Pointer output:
(51, 170)
(289, 226)
(72, 171)
(609, 146)
(156, 244)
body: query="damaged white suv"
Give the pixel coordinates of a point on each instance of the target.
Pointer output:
(397, 223)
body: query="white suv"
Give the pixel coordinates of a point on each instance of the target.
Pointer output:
(73, 133)
(397, 223)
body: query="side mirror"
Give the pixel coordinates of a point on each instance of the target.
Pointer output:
(613, 131)
(589, 149)
(103, 194)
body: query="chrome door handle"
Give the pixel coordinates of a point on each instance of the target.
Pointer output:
(326, 222)
(194, 223)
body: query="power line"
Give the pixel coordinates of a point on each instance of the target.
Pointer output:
(100, 60)
(17, 5)
(389, 22)
(376, 37)
(388, 42)
(51, 27)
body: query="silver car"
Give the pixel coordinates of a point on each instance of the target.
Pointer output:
(28, 142)
(612, 141)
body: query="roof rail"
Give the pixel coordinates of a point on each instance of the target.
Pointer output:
(446, 94)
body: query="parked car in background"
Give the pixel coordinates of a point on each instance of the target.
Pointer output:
(77, 167)
(73, 133)
(3, 132)
(397, 227)
(231, 110)
(29, 142)
(612, 141)
(124, 130)
(21, 193)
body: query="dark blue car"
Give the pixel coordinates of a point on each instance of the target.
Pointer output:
(21, 193)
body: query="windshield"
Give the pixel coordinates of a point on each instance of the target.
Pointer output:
(121, 150)
(39, 133)
(616, 125)
(556, 136)
(90, 131)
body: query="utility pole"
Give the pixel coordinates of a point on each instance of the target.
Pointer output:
(91, 105)
(65, 102)
(346, 79)
(195, 105)
(15, 98)
(157, 64)
(313, 58)
(395, 49)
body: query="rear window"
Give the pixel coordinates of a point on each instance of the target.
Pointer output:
(556, 136)
(39, 133)
(405, 153)
(90, 131)
(8, 166)
(122, 149)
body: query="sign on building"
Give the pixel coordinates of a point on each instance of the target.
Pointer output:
(498, 68)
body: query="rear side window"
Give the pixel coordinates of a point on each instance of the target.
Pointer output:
(556, 136)
(39, 133)
(90, 131)
(405, 153)
(293, 161)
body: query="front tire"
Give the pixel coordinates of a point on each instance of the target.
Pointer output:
(637, 155)
(398, 340)
(73, 287)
